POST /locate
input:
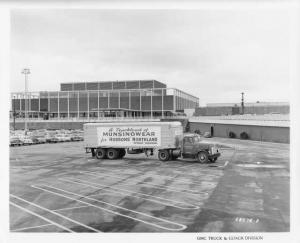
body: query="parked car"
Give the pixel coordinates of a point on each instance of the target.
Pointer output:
(76, 137)
(35, 140)
(51, 139)
(41, 139)
(27, 141)
(15, 142)
(38, 139)
(63, 138)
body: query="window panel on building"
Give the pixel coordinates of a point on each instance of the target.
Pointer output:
(147, 84)
(146, 103)
(44, 104)
(105, 85)
(73, 102)
(53, 105)
(66, 87)
(135, 102)
(34, 104)
(157, 103)
(92, 86)
(132, 84)
(93, 101)
(15, 104)
(113, 99)
(119, 85)
(83, 101)
(168, 102)
(103, 102)
(79, 86)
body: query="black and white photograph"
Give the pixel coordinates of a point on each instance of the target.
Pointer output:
(150, 120)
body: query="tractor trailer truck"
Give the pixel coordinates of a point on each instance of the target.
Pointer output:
(114, 140)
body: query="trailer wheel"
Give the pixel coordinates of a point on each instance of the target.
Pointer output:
(112, 153)
(100, 153)
(163, 155)
(202, 157)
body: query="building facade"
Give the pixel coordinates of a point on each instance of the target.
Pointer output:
(258, 108)
(134, 98)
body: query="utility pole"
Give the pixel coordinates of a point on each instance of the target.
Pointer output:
(242, 104)
(26, 71)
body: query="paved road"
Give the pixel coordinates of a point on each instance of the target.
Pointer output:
(59, 188)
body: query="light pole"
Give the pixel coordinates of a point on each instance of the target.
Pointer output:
(26, 71)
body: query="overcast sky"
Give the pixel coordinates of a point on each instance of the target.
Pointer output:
(213, 54)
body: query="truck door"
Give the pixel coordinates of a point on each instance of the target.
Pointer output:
(188, 145)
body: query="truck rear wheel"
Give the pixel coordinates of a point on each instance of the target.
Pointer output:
(163, 155)
(202, 157)
(112, 153)
(100, 153)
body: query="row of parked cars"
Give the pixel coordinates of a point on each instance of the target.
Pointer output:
(18, 138)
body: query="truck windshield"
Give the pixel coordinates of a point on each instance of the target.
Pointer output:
(196, 139)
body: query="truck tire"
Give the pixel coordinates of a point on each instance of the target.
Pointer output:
(202, 157)
(100, 153)
(112, 153)
(163, 155)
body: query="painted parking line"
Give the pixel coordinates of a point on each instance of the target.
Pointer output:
(55, 213)
(176, 226)
(181, 180)
(147, 197)
(147, 184)
(41, 217)
(32, 227)
(61, 209)
(226, 163)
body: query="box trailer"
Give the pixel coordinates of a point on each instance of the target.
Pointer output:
(114, 140)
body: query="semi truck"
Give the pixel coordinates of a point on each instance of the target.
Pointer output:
(114, 140)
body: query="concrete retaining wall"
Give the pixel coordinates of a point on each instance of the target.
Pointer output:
(259, 133)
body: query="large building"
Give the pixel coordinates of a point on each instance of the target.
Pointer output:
(258, 108)
(133, 98)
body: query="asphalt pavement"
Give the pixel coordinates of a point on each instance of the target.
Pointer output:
(60, 188)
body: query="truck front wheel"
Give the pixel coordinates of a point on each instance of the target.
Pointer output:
(100, 153)
(112, 153)
(163, 155)
(202, 157)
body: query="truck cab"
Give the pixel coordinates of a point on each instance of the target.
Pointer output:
(192, 146)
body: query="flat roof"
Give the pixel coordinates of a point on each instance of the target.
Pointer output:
(267, 123)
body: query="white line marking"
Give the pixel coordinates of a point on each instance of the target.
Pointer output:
(32, 227)
(147, 195)
(181, 226)
(169, 177)
(57, 214)
(226, 163)
(39, 216)
(61, 209)
(167, 188)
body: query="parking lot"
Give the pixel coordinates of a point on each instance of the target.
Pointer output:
(60, 188)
